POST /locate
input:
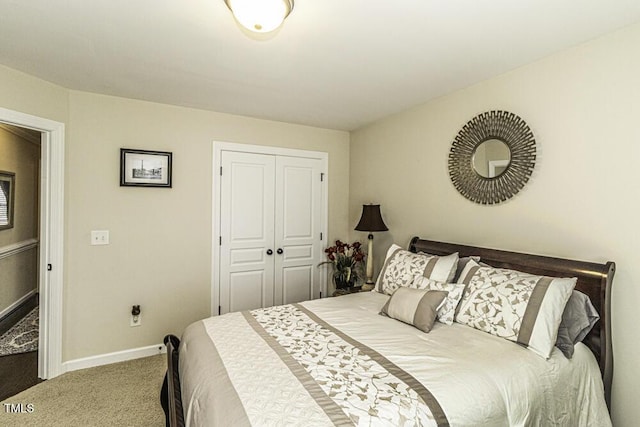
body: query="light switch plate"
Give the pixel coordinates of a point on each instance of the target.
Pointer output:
(100, 237)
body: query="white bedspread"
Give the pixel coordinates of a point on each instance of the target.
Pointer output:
(232, 376)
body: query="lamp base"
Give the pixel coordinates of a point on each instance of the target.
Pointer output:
(368, 286)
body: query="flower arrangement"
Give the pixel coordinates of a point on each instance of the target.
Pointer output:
(347, 263)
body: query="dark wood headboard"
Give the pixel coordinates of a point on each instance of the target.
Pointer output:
(593, 279)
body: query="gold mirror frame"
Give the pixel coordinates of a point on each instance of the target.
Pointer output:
(508, 128)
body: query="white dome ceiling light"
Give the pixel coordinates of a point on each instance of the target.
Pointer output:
(260, 16)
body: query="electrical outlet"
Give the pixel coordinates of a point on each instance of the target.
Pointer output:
(100, 237)
(136, 320)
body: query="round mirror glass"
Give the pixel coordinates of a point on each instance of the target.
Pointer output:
(491, 158)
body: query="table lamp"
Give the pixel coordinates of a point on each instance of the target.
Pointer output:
(371, 220)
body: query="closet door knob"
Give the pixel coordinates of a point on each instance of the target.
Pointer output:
(280, 251)
(269, 252)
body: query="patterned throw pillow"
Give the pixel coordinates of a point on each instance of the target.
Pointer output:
(517, 306)
(416, 307)
(401, 267)
(454, 291)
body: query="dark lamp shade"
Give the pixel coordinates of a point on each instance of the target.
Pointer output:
(371, 219)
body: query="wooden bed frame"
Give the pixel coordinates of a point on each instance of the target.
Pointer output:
(593, 279)
(171, 394)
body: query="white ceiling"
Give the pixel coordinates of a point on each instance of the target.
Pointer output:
(337, 64)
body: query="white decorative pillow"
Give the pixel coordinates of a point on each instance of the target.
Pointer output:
(452, 273)
(517, 306)
(416, 307)
(454, 291)
(462, 263)
(401, 267)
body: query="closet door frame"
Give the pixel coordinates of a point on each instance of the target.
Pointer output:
(218, 148)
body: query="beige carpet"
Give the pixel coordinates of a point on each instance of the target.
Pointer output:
(122, 394)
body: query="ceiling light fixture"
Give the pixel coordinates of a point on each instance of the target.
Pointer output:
(260, 16)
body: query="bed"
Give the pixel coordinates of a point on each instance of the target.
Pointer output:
(337, 361)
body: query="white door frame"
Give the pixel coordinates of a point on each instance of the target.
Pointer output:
(51, 237)
(218, 148)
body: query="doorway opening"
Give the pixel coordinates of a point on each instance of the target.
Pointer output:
(49, 241)
(20, 151)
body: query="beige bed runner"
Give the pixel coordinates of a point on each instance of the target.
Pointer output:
(353, 384)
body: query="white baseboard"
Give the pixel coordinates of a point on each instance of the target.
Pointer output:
(108, 358)
(17, 303)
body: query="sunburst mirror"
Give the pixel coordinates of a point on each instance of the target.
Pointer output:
(492, 157)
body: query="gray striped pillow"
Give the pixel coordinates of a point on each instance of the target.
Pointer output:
(416, 307)
(517, 306)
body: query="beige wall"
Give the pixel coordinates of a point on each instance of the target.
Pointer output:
(582, 202)
(18, 273)
(30, 95)
(21, 157)
(160, 251)
(18, 276)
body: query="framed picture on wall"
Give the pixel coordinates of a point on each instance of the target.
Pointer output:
(144, 168)
(7, 195)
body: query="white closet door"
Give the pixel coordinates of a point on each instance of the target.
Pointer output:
(247, 231)
(297, 229)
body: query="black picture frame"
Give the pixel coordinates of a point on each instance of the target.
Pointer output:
(7, 199)
(156, 173)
